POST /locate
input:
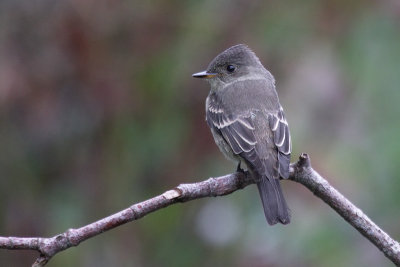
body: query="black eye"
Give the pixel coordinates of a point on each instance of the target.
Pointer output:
(230, 68)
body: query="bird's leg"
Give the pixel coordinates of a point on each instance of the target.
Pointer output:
(239, 169)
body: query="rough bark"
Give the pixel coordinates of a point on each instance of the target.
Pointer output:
(300, 172)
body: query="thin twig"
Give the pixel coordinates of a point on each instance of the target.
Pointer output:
(300, 172)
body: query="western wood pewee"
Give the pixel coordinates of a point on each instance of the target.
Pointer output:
(248, 123)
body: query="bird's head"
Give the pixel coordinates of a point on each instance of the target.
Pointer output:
(234, 63)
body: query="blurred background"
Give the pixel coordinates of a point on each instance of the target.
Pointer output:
(98, 110)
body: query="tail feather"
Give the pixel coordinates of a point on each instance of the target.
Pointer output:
(274, 203)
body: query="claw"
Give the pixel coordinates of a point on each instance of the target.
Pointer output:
(239, 169)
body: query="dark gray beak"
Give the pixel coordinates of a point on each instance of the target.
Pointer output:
(204, 74)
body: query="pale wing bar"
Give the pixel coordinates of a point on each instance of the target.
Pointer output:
(280, 128)
(238, 132)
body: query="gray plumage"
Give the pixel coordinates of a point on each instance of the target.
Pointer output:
(248, 123)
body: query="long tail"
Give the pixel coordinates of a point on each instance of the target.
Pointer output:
(274, 203)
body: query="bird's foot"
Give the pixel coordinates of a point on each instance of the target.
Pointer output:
(239, 169)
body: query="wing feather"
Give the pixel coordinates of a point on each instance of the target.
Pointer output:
(280, 128)
(250, 142)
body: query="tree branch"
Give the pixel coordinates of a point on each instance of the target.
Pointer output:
(300, 172)
(304, 174)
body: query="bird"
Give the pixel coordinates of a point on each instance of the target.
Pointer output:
(248, 123)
